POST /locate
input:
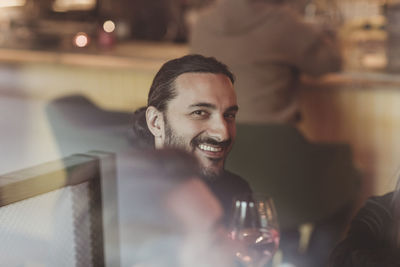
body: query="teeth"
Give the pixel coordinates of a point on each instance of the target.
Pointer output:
(209, 148)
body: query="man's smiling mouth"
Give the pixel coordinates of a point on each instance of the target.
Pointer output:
(210, 148)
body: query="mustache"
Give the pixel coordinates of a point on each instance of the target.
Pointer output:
(211, 141)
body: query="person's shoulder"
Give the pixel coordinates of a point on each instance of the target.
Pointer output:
(376, 212)
(383, 201)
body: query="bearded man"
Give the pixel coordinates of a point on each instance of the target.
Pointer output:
(192, 106)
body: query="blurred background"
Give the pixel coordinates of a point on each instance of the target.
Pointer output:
(73, 71)
(109, 50)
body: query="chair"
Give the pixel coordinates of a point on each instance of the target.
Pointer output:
(61, 213)
(310, 182)
(79, 125)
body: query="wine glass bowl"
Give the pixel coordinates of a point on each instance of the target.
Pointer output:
(254, 228)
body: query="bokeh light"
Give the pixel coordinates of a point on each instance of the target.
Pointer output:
(109, 26)
(81, 39)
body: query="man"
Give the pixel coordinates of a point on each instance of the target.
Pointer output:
(268, 45)
(192, 106)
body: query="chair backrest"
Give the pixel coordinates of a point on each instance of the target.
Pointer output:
(61, 213)
(308, 181)
(79, 125)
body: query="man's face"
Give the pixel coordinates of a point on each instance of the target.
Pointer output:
(201, 118)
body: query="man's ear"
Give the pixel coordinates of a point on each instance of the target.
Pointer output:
(155, 123)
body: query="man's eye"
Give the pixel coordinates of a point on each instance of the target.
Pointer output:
(199, 113)
(230, 116)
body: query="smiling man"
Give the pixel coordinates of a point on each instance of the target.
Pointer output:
(192, 106)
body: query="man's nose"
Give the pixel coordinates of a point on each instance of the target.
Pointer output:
(219, 129)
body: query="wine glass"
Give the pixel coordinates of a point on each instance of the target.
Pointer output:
(254, 229)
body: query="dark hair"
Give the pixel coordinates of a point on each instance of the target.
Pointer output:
(162, 89)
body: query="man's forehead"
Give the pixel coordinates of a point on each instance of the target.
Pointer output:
(214, 89)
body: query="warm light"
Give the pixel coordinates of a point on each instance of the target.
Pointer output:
(69, 5)
(81, 39)
(108, 26)
(11, 3)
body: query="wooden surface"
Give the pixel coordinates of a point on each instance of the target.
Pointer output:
(29, 182)
(136, 55)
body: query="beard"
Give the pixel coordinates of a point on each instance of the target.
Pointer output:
(174, 140)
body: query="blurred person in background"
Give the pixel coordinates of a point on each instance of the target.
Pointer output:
(159, 20)
(149, 19)
(172, 218)
(192, 106)
(373, 239)
(177, 28)
(268, 46)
